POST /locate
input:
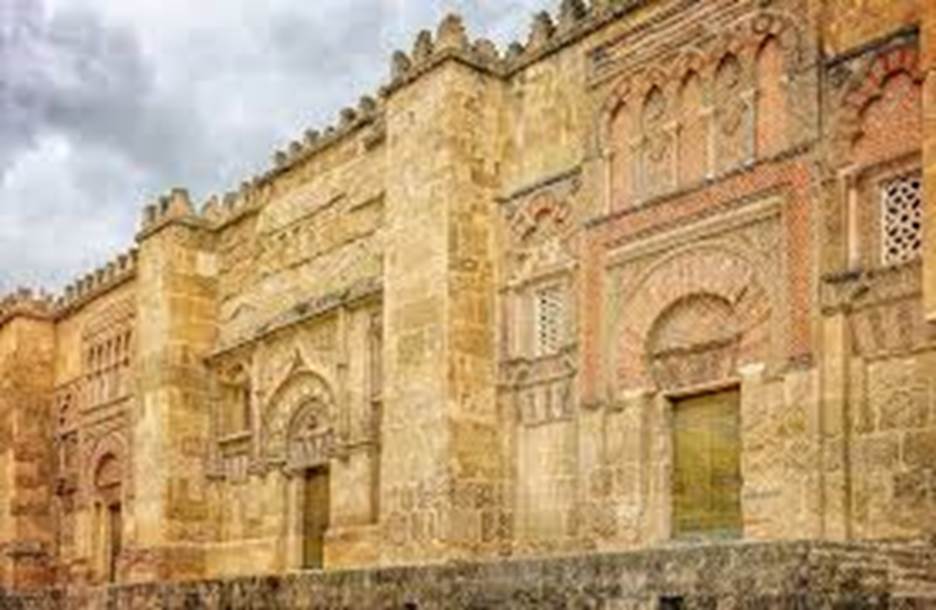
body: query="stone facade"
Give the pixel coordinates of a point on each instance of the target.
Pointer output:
(479, 320)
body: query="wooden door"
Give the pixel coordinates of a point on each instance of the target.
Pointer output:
(115, 542)
(707, 466)
(315, 517)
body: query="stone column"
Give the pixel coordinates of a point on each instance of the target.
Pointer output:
(177, 305)
(833, 428)
(440, 466)
(928, 64)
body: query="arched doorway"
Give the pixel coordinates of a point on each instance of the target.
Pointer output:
(309, 449)
(692, 351)
(108, 516)
(693, 348)
(299, 434)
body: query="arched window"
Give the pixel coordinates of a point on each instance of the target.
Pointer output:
(771, 99)
(693, 137)
(885, 201)
(622, 170)
(731, 114)
(657, 149)
(893, 117)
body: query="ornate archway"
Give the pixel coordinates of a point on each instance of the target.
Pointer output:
(298, 429)
(694, 341)
(107, 489)
(693, 317)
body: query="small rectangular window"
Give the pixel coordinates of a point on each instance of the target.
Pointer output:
(549, 319)
(902, 219)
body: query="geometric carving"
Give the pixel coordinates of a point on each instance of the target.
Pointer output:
(108, 473)
(311, 440)
(657, 141)
(691, 314)
(539, 231)
(693, 132)
(549, 319)
(297, 426)
(902, 218)
(881, 106)
(731, 113)
(544, 394)
(641, 133)
(621, 159)
(108, 469)
(901, 393)
(772, 114)
(694, 341)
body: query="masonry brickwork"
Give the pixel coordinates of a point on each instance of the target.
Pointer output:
(479, 318)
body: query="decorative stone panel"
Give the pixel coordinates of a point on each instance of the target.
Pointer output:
(693, 305)
(297, 424)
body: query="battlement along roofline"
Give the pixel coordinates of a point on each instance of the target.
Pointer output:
(548, 34)
(574, 20)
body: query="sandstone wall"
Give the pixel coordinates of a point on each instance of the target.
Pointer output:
(95, 401)
(772, 576)
(27, 534)
(479, 301)
(300, 275)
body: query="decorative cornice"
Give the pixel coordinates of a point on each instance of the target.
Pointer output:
(304, 311)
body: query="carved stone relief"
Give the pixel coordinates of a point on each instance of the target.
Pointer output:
(297, 422)
(541, 260)
(705, 301)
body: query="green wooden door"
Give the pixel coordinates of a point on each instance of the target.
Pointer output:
(707, 466)
(315, 517)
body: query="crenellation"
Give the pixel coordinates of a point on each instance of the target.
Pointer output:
(211, 209)
(541, 32)
(347, 117)
(400, 66)
(367, 105)
(26, 302)
(175, 206)
(92, 285)
(515, 51)
(486, 51)
(451, 34)
(422, 48)
(350, 119)
(571, 14)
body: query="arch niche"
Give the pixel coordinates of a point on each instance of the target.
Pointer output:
(694, 318)
(299, 435)
(298, 428)
(107, 492)
(688, 324)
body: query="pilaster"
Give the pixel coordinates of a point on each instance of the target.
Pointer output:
(439, 439)
(27, 348)
(177, 305)
(834, 428)
(928, 59)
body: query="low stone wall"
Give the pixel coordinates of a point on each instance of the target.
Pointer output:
(761, 576)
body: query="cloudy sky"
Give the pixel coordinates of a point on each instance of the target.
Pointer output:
(105, 104)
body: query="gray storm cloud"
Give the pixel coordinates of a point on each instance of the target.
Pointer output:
(105, 104)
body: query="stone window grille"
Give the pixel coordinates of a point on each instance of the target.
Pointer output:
(901, 218)
(549, 312)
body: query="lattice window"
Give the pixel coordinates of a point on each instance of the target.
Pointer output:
(901, 219)
(549, 316)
